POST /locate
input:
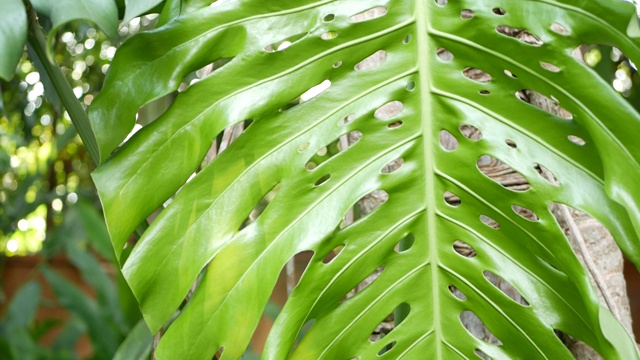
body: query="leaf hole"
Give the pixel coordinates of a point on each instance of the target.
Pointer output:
(285, 43)
(304, 146)
(476, 327)
(506, 287)
(470, 132)
(549, 67)
(218, 354)
(521, 35)
(405, 243)
(576, 140)
(311, 165)
(387, 348)
(337, 64)
(332, 149)
(370, 14)
(407, 39)
(329, 18)
(510, 74)
(387, 324)
(395, 124)
(479, 353)
(467, 14)
(525, 213)
(364, 283)
(489, 222)
(559, 29)
(512, 144)
(323, 180)
(444, 54)
(484, 92)
(329, 35)
(448, 141)
(441, 2)
(347, 119)
(261, 206)
(502, 173)
(457, 293)
(333, 254)
(364, 206)
(543, 103)
(389, 110)
(546, 174)
(307, 95)
(452, 199)
(476, 75)
(392, 166)
(499, 11)
(372, 61)
(464, 249)
(410, 85)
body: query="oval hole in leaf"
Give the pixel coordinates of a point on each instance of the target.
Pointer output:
(364, 206)
(372, 61)
(576, 140)
(405, 243)
(410, 85)
(544, 103)
(387, 324)
(470, 132)
(452, 199)
(525, 213)
(333, 254)
(329, 18)
(512, 144)
(337, 64)
(502, 173)
(510, 74)
(218, 354)
(457, 293)
(388, 110)
(481, 354)
(489, 222)
(323, 180)
(347, 119)
(395, 124)
(304, 146)
(311, 165)
(476, 75)
(332, 149)
(484, 92)
(546, 174)
(364, 283)
(448, 141)
(441, 2)
(386, 348)
(392, 166)
(521, 35)
(329, 35)
(464, 249)
(370, 14)
(444, 54)
(407, 39)
(467, 14)
(261, 206)
(559, 29)
(499, 11)
(549, 67)
(285, 43)
(506, 287)
(476, 327)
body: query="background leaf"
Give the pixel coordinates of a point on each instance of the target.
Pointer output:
(13, 35)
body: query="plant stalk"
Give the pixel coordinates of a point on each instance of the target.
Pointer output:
(78, 116)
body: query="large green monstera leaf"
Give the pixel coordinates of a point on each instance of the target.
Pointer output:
(398, 110)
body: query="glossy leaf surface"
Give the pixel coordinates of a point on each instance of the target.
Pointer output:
(104, 13)
(281, 50)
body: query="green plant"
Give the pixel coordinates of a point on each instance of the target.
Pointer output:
(264, 55)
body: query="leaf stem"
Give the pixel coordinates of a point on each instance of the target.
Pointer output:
(78, 116)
